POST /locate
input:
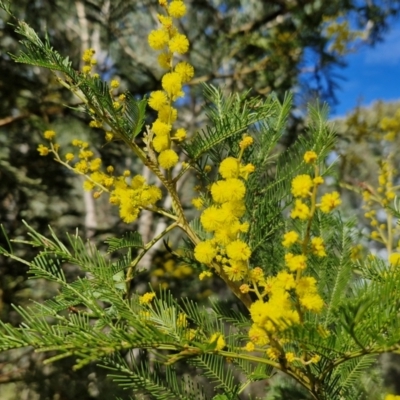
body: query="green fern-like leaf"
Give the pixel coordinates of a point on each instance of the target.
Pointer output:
(129, 240)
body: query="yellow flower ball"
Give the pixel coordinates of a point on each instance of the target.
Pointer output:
(160, 143)
(114, 84)
(301, 185)
(168, 159)
(43, 150)
(157, 99)
(167, 114)
(172, 84)
(300, 211)
(180, 134)
(228, 190)
(205, 252)
(161, 128)
(330, 201)
(177, 9)
(238, 251)
(158, 39)
(49, 135)
(179, 44)
(290, 238)
(310, 157)
(229, 168)
(185, 70)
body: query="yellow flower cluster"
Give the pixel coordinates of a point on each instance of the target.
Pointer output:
(284, 298)
(130, 197)
(329, 202)
(272, 317)
(390, 126)
(168, 40)
(90, 61)
(380, 198)
(45, 150)
(222, 220)
(146, 298)
(385, 180)
(304, 187)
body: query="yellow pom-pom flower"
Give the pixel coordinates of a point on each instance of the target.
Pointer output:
(238, 251)
(158, 39)
(157, 100)
(229, 190)
(318, 180)
(312, 302)
(236, 271)
(249, 347)
(161, 128)
(180, 134)
(172, 84)
(87, 55)
(179, 44)
(300, 210)
(290, 238)
(296, 262)
(310, 157)
(86, 69)
(167, 114)
(317, 247)
(229, 168)
(185, 70)
(168, 159)
(114, 84)
(205, 252)
(160, 143)
(301, 185)
(49, 135)
(329, 202)
(43, 150)
(146, 298)
(290, 357)
(165, 21)
(177, 9)
(246, 142)
(210, 218)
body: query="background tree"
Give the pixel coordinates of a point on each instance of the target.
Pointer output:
(369, 171)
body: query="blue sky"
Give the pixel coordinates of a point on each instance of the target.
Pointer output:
(373, 73)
